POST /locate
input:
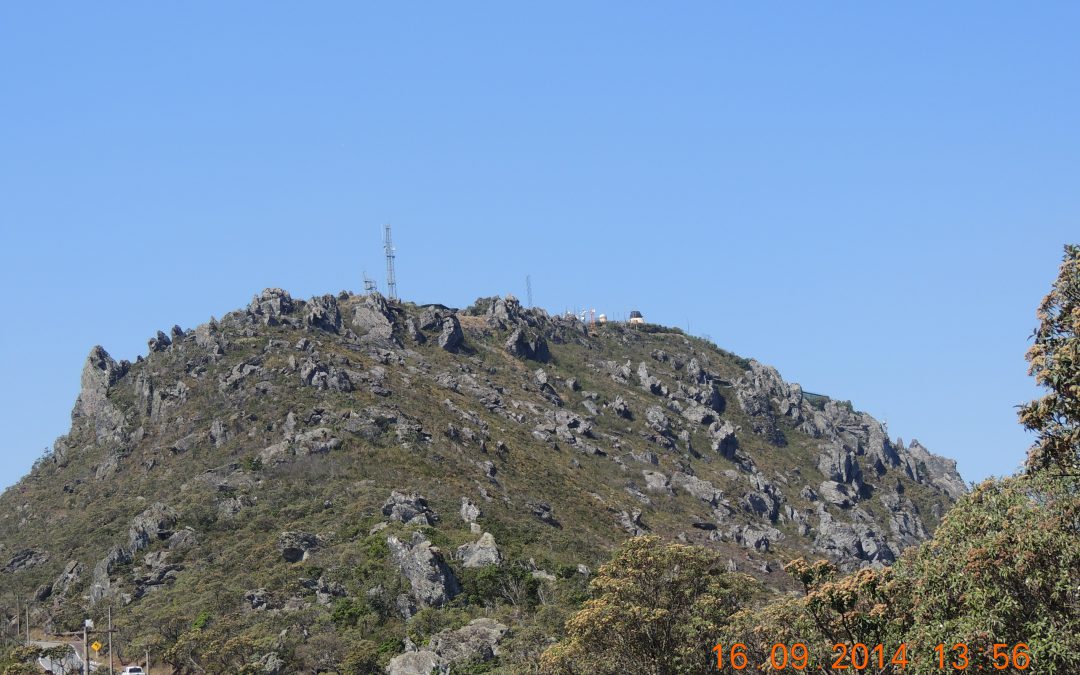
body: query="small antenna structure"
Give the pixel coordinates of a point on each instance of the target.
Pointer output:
(528, 289)
(388, 246)
(369, 284)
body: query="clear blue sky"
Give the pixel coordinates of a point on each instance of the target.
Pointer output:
(872, 197)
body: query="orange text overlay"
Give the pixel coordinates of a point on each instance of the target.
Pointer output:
(859, 656)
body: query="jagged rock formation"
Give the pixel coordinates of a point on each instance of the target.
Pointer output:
(477, 641)
(266, 443)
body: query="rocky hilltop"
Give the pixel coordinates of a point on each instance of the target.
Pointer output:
(436, 483)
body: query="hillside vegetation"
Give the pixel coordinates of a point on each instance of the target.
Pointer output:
(348, 484)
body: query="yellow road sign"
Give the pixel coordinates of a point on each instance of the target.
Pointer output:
(96, 646)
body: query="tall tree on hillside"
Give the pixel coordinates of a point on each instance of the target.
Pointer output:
(1055, 364)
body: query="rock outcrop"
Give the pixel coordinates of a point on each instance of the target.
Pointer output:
(432, 583)
(476, 642)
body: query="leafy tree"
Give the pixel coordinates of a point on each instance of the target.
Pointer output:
(363, 658)
(1003, 567)
(656, 608)
(1055, 364)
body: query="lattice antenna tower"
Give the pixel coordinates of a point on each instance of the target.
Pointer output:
(388, 246)
(528, 289)
(369, 284)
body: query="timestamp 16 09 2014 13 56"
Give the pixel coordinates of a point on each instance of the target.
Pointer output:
(859, 656)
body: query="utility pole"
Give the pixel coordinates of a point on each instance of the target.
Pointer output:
(388, 246)
(18, 617)
(110, 641)
(27, 623)
(147, 660)
(85, 650)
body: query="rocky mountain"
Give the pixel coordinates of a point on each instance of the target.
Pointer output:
(430, 485)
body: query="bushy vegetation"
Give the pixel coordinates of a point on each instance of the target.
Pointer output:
(996, 588)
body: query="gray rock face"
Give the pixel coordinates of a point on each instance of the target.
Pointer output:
(451, 338)
(372, 318)
(699, 414)
(723, 439)
(835, 493)
(657, 482)
(848, 541)
(837, 463)
(432, 583)
(270, 306)
(101, 581)
(532, 347)
(154, 524)
(323, 313)
(469, 510)
(25, 559)
(73, 571)
(478, 641)
(314, 373)
(271, 664)
(542, 510)
(93, 406)
(430, 319)
(631, 522)
(649, 383)
(657, 420)
(702, 489)
(296, 546)
(904, 522)
(755, 536)
(480, 553)
(411, 509)
(317, 441)
(325, 591)
(422, 662)
(941, 471)
(506, 312)
(621, 408)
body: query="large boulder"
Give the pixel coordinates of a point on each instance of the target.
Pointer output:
(477, 641)
(432, 582)
(297, 546)
(373, 318)
(270, 306)
(323, 313)
(702, 489)
(154, 524)
(451, 337)
(480, 553)
(411, 509)
(523, 346)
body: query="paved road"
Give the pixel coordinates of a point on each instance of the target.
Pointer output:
(71, 664)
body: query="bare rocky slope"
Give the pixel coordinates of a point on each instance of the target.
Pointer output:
(436, 483)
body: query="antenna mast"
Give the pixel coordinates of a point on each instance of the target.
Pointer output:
(369, 284)
(388, 246)
(528, 289)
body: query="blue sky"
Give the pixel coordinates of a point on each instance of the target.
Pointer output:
(871, 197)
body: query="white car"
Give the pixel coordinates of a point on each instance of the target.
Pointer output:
(133, 670)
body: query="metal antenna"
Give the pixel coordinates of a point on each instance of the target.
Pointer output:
(388, 246)
(528, 289)
(369, 284)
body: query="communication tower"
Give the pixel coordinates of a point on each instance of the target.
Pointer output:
(528, 289)
(388, 246)
(369, 284)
